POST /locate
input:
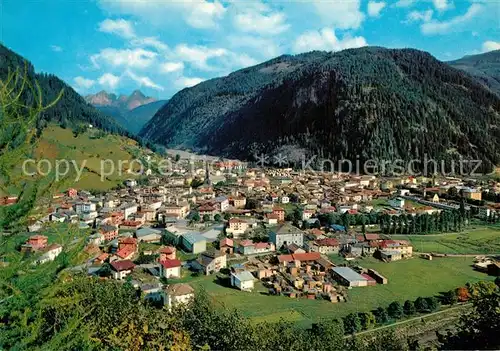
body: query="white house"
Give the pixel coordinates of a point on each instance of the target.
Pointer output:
(243, 280)
(178, 294)
(50, 254)
(85, 207)
(285, 199)
(128, 209)
(170, 268)
(120, 269)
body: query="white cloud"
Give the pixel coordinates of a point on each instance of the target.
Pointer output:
(344, 14)
(261, 20)
(198, 56)
(374, 8)
(404, 3)
(56, 48)
(204, 14)
(143, 80)
(442, 5)
(119, 27)
(196, 13)
(437, 27)
(109, 80)
(419, 16)
(151, 42)
(186, 82)
(491, 45)
(263, 47)
(83, 83)
(136, 58)
(169, 67)
(326, 40)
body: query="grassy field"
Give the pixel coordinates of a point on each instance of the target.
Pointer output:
(477, 239)
(59, 143)
(408, 279)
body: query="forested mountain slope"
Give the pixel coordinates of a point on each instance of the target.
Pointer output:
(70, 110)
(485, 67)
(369, 102)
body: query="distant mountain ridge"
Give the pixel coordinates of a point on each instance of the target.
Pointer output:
(131, 111)
(367, 103)
(485, 67)
(124, 102)
(71, 109)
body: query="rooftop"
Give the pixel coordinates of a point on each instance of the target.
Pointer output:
(348, 274)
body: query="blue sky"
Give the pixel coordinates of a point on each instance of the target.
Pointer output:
(162, 46)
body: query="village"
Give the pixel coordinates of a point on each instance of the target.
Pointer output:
(296, 234)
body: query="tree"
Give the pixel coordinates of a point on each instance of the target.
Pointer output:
(432, 303)
(449, 297)
(352, 324)
(326, 335)
(251, 204)
(481, 288)
(218, 218)
(477, 330)
(395, 310)
(206, 218)
(196, 217)
(367, 320)
(227, 216)
(381, 315)
(421, 304)
(409, 308)
(177, 157)
(462, 294)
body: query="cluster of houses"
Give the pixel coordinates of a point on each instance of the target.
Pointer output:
(215, 222)
(38, 245)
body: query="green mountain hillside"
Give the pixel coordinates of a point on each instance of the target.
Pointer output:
(367, 103)
(485, 67)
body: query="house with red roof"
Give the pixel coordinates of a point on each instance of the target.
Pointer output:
(121, 269)
(36, 242)
(308, 257)
(170, 268)
(325, 246)
(226, 245)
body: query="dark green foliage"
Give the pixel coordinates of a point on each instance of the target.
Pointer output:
(421, 304)
(352, 324)
(409, 308)
(381, 315)
(432, 303)
(449, 297)
(70, 109)
(367, 320)
(145, 259)
(395, 310)
(372, 102)
(477, 330)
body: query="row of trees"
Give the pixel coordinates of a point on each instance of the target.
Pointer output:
(424, 223)
(356, 322)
